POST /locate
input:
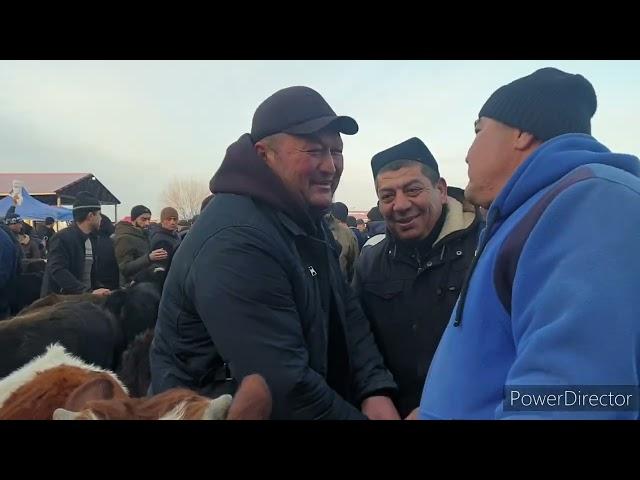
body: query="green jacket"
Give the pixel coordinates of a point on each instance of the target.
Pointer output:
(132, 250)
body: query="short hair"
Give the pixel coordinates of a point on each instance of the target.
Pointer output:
(49, 221)
(351, 221)
(340, 211)
(359, 222)
(374, 215)
(427, 171)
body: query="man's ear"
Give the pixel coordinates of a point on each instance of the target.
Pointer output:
(441, 185)
(264, 151)
(525, 141)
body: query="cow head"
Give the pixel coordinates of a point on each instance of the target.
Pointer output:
(251, 402)
(136, 308)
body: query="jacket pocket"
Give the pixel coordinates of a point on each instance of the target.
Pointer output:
(385, 290)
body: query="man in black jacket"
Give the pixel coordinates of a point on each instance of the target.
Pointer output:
(409, 281)
(45, 232)
(71, 266)
(166, 237)
(256, 286)
(108, 273)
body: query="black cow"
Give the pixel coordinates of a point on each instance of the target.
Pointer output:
(24, 290)
(86, 330)
(97, 331)
(134, 370)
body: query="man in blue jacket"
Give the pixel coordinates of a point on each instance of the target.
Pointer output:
(548, 323)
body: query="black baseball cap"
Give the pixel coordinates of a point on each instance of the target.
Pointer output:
(297, 111)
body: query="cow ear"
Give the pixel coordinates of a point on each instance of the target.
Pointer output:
(218, 408)
(101, 388)
(252, 400)
(116, 301)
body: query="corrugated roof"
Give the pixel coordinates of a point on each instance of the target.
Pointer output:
(40, 183)
(47, 186)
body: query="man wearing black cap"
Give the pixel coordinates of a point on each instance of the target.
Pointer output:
(45, 231)
(551, 308)
(13, 224)
(132, 245)
(256, 286)
(13, 220)
(71, 266)
(408, 283)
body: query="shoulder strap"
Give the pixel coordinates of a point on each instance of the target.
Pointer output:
(507, 261)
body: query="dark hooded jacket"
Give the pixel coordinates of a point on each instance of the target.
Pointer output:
(256, 287)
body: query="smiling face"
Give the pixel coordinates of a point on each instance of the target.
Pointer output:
(410, 202)
(309, 166)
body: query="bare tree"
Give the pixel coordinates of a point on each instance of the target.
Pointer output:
(185, 195)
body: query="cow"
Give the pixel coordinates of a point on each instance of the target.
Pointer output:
(134, 369)
(23, 290)
(56, 298)
(252, 401)
(60, 386)
(97, 329)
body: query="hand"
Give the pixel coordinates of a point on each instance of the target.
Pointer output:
(102, 292)
(159, 254)
(380, 408)
(413, 415)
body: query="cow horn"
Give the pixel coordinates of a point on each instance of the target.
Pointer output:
(218, 408)
(62, 414)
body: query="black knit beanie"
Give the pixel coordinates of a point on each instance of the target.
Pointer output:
(547, 103)
(139, 210)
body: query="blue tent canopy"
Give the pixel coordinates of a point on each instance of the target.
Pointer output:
(32, 209)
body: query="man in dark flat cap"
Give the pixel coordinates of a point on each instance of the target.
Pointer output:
(71, 266)
(408, 283)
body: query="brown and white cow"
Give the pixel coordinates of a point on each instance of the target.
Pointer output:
(60, 386)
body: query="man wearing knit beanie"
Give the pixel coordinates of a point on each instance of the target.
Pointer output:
(132, 246)
(552, 296)
(166, 237)
(71, 264)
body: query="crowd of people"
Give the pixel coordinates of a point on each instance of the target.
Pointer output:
(444, 300)
(90, 255)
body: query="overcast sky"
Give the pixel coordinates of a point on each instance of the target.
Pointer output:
(138, 124)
